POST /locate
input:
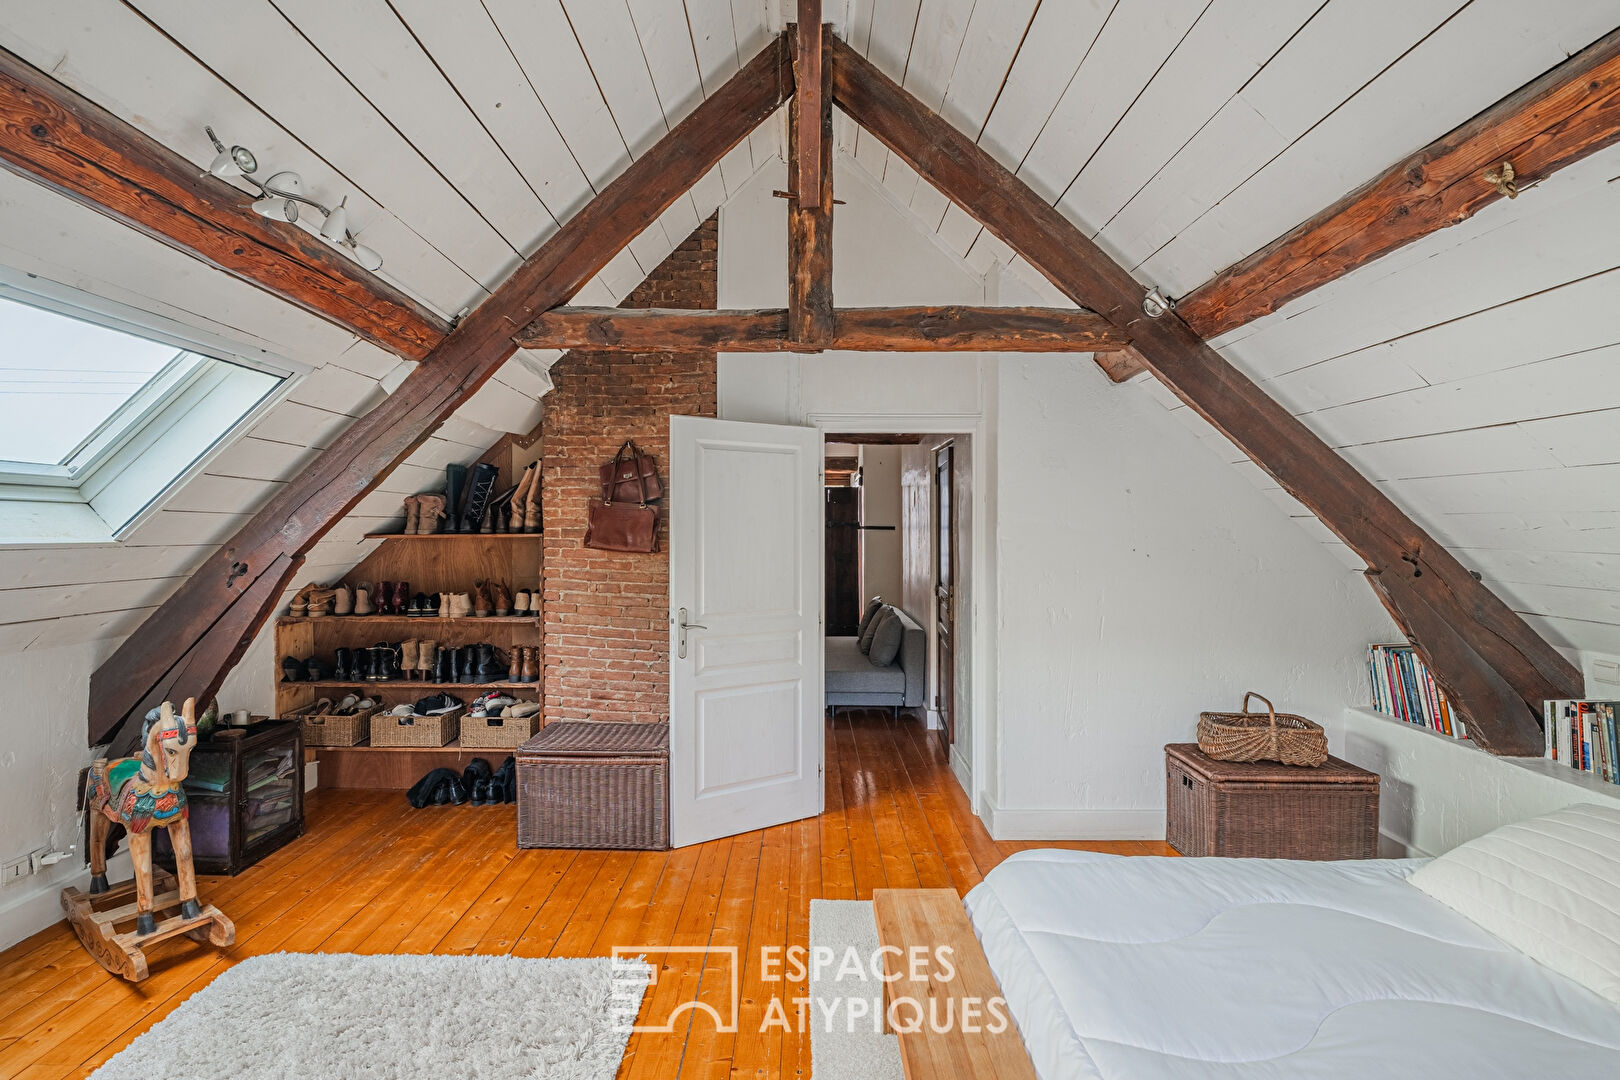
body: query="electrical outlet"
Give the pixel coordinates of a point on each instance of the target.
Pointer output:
(1606, 671)
(14, 871)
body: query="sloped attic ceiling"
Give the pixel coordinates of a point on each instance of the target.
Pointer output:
(1182, 133)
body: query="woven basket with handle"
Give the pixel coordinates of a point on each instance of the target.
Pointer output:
(1267, 736)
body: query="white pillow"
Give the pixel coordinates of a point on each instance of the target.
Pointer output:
(1549, 887)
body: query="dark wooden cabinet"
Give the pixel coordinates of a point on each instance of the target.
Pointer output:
(245, 792)
(1265, 810)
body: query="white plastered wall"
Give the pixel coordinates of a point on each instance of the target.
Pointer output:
(1124, 577)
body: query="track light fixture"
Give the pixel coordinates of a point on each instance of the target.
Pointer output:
(281, 195)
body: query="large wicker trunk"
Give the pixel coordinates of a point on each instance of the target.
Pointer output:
(586, 784)
(1263, 810)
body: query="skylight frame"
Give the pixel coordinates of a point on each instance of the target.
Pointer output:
(103, 459)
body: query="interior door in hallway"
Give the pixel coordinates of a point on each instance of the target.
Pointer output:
(745, 593)
(843, 522)
(945, 587)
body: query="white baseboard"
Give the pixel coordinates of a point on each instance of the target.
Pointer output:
(1013, 823)
(27, 908)
(932, 721)
(962, 768)
(312, 775)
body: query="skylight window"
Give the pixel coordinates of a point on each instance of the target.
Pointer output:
(109, 407)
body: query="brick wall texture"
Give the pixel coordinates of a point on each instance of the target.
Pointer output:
(606, 629)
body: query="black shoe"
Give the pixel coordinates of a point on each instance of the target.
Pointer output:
(478, 770)
(423, 791)
(431, 608)
(444, 665)
(395, 654)
(434, 704)
(455, 480)
(360, 666)
(457, 795)
(293, 670)
(466, 664)
(343, 668)
(503, 785)
(418, 606)
(480, 489)
(315, 669)
(489, 668)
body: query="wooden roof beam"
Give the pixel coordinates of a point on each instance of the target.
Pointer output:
(1435, 597)
(205, 617)
(810, 203)
(54, 136)
(909, 329)
(1563, 116)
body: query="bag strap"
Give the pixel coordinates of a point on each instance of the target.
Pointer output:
(641, 481)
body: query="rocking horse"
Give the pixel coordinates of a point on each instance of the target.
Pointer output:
(143, 793)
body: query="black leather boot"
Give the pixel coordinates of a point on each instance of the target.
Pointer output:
(444, 665)
(466, 664)
(455, 482)
(475, 779)
(489, 669)
(343, 669)
(292, 670)
(503, 785)
(360, 666)
(480, 489)
(315, 669)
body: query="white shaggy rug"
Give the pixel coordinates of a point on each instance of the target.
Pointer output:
(289, 1015)
(846, 1039)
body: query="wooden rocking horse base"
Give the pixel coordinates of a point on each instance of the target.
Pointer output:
(105, 924)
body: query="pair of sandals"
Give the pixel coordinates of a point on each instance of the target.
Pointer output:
(501, 705)
(347, 707)
(477, 785)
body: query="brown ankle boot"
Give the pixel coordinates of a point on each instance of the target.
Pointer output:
(413, 515)
(430, 513)
(530, 667)
(500, 599)
(480, 601)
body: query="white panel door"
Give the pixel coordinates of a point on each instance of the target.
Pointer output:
(745, 563)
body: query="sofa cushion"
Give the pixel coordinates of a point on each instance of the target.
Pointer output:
(849, 671)
(865, 638)
(886, 641)
(873, 606)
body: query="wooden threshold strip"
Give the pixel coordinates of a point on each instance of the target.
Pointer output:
(906, 329)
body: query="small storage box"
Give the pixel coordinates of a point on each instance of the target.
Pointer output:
(588, 784)
(1268, 811)
(351, 730)
(497, 732)
(390, 730)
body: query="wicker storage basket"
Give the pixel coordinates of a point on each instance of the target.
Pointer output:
(1260, 810)
(496, 732)
(586, 784)
(1268, 736)
(390, 730)
(349, 730)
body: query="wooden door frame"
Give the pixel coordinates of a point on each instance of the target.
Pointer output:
(981, 570)
(947, 728)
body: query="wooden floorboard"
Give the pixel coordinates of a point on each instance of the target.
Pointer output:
(374, 876)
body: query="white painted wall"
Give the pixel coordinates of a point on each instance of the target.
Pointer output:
(1436, 792)
(880, 505)
(1154, 585)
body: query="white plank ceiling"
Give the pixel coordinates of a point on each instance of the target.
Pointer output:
(1473, 374)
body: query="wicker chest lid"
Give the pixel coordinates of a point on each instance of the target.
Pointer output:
(1333, 771)
(595, 738)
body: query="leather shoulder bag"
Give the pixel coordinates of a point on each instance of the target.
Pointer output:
(631, 475)
(622, 526)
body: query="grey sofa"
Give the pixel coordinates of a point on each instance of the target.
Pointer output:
(852, 678)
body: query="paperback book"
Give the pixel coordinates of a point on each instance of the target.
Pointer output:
(1403, 688)
(1582, 735)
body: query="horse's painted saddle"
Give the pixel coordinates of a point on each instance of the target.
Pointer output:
(135, 803)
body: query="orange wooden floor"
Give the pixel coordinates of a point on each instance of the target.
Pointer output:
(375, 876)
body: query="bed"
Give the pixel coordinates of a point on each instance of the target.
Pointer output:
(1219, 969)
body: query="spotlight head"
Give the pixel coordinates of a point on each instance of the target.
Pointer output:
(237, 161)
(335, 230)
(276, 209)
(285, 183)
(367, 257)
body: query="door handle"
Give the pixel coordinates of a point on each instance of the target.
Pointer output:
(684, 627)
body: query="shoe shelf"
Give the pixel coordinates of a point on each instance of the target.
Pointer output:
(440, 563)
(469, 621)
(442, 536)
(411, 684)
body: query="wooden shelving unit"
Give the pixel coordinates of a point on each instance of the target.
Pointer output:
(438, 562)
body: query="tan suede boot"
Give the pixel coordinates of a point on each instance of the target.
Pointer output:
(413, 515)
(520, 602)
(520, 497)
(320, 601)
(430, 513)
(424, 660)
(531, 507)
(298, 606)
(408, 656)
(342, 600)
(362, 599)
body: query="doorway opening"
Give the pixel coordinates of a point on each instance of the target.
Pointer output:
(898, 546)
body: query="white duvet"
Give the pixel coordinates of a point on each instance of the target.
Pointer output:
(1124, 968)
